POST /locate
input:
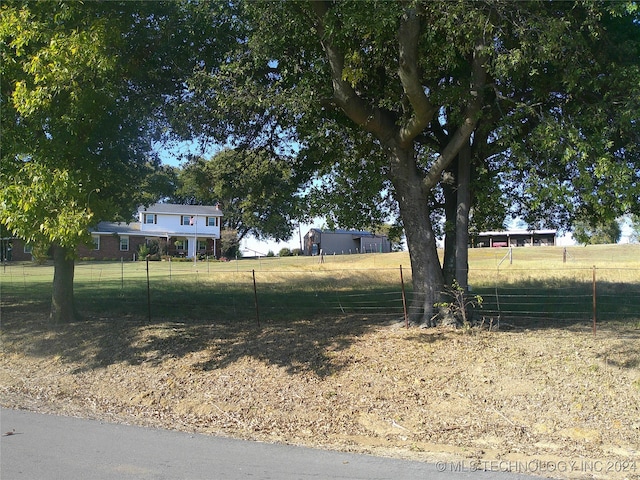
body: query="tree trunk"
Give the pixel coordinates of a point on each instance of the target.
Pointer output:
(62, 301)
(462, 217)
(449, 190)
(413, 202)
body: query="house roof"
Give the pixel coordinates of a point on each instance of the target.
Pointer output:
(172, 208)
(120, 228)
(518, 232)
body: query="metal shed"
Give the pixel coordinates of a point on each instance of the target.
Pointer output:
(340, 242)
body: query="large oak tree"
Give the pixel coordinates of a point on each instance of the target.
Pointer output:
(439, 110)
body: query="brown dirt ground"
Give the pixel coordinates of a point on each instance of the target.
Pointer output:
(549, 401)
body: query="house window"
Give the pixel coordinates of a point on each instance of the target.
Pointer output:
(28, 248)
(187, 220)
(182, 245)
(124, 244)
(202, 245)
(150, 218)
(212, 221)
(96, 242)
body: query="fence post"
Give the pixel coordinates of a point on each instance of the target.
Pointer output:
(255, 296)
(148, 293)
(594, 301)
(404, 300)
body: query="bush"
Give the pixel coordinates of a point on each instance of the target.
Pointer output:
(284, 252)
(270, 253)
(296, 252)
(149, 251)
(154, 248)
(143, 251)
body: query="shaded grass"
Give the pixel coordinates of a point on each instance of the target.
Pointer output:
(537, 285)
(561, 302)
(305, 344)
(236, 302)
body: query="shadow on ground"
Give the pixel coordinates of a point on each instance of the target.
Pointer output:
(301, 330)
(99, 341)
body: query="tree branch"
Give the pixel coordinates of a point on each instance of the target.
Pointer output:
(423, 110)
(371, 119)
(468, 125)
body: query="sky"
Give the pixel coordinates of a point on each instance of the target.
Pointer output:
(251, 247)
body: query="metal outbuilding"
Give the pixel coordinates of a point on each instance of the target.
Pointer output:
(339, 242)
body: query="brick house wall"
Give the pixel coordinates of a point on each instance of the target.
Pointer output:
(110, 248)
(13, 249)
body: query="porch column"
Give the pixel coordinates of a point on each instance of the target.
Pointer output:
(193, 249)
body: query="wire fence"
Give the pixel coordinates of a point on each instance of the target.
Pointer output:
(215, 292)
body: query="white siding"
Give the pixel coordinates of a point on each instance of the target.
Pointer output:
(172, 224)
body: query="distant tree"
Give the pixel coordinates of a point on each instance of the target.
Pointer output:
(160, 184)
(393, 233)
(600, 233)
(256, 190)
(284, 252)
(229, 243)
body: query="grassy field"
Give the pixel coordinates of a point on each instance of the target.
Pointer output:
(543, 284)
(330, 365)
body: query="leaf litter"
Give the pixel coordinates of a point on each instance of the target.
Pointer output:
(350, 384)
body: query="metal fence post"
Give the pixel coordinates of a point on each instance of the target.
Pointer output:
(255, 296)
(148, 293)
(404, 300)
(594, 301)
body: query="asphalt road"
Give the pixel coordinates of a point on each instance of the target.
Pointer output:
(49, 447)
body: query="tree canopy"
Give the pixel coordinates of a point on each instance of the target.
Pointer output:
(438, 111)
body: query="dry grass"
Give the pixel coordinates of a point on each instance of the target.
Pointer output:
(344, 382)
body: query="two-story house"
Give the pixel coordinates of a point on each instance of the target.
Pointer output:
(179, 230)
